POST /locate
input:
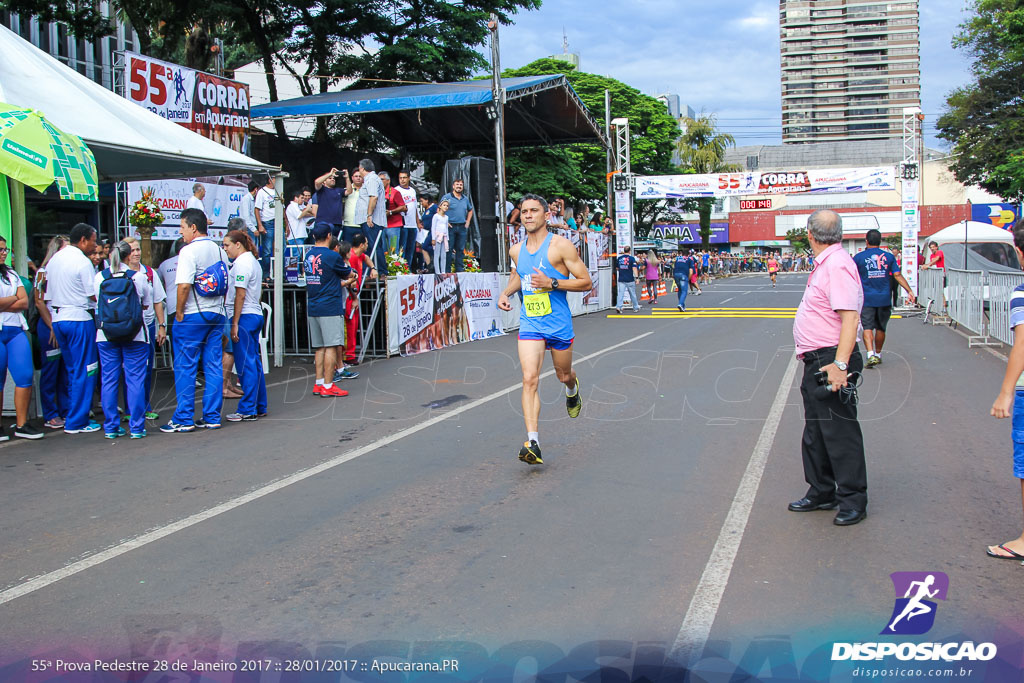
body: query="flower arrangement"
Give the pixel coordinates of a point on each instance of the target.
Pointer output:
(145, 212)
(397, 265)
(471, 265)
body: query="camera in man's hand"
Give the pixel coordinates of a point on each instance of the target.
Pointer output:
(823, 391)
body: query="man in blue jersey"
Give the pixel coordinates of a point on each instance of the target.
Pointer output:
(682, 266)
(546, 267)
(877, 268)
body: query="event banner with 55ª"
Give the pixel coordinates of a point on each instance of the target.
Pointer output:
(753, 183)
(435, 311)
(214, 107)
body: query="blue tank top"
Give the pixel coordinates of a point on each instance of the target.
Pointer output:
(545, 312)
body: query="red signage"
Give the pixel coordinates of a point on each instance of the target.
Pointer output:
(755, 204)
(781, 183)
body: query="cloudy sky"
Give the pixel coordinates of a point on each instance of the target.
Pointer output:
(720, 57)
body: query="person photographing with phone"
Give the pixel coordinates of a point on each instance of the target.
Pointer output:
(825, 331)
(329, 199)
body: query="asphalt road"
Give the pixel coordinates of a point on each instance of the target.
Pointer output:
(418, 533)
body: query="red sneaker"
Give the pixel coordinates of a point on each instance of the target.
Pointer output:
(318, 389)
(332, 392)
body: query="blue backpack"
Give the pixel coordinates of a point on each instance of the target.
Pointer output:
(213, 281)
(119, 309)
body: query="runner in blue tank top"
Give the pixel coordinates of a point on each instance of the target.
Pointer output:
(546, 267)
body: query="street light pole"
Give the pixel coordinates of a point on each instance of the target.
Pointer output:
(498, 94)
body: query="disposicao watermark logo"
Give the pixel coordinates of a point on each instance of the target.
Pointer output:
(914, 614)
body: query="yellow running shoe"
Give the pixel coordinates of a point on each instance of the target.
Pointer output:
(574, 404)
(530, 453)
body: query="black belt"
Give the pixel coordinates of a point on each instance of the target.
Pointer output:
(457, 225)
(811, 356)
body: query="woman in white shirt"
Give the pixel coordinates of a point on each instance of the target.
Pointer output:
(154, 316)
(128, 358)
(439, 237)
(15, 347)
(246, 323)
(54, 384)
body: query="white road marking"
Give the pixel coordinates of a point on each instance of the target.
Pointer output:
(50, 578)
(700, 617)
(728, 300)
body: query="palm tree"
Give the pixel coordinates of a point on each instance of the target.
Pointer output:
(702, 148)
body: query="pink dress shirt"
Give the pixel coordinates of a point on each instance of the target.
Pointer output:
(834, 285)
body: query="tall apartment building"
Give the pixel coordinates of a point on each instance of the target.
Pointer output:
(849, 67)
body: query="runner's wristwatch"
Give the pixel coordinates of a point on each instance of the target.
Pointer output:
(841, 365)
(554, 283)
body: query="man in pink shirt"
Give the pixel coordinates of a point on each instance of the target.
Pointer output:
(825, 330)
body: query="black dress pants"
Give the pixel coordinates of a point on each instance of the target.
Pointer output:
(832, 445)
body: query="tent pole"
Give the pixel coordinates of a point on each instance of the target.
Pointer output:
(278, 273)
(19, 238)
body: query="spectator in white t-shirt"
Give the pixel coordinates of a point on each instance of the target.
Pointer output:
(246, 324)
(196, 200)
(154, 317)
(296, 217)
(167, 271)
(198, 327)
(266, 202)
(124, 360)
(247, 208)
(407, 242)
(70, 292)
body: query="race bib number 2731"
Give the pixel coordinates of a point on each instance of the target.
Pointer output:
(535, 305)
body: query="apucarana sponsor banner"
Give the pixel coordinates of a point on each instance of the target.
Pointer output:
(770, 182)
(435, 311)
(222, 201)
(215, 107)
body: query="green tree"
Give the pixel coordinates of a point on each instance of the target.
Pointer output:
(83, 19)
(702, 149)
(578, 172)
(984, 120)
(798, 240)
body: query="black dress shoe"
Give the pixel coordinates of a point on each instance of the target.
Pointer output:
(849, 517)
(807, 505)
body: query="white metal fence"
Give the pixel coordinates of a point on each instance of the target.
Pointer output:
(965, 302)
(930, 284)
(1000, 288)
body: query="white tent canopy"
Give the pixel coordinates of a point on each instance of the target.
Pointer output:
(971, 232)
(129, 142)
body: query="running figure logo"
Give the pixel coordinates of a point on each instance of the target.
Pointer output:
(914, 613)
(179, 88)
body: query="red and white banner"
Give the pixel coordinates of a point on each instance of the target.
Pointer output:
(214, 107)
(222, 202)
(749, 184)
(435, 311)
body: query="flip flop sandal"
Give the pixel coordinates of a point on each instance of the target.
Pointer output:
(1011, 556)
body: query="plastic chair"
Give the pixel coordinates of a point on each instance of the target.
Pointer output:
(268, 314)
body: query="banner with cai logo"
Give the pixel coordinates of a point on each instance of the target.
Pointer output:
(214, 107)
(435, 311)
(222, 202)
(770, 182)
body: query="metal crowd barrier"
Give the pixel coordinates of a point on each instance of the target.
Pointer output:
(930, 285)
(965, 301)
(1000, 289)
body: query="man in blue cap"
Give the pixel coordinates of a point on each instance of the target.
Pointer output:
(326, 274)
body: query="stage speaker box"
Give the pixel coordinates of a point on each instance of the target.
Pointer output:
(481, 179)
